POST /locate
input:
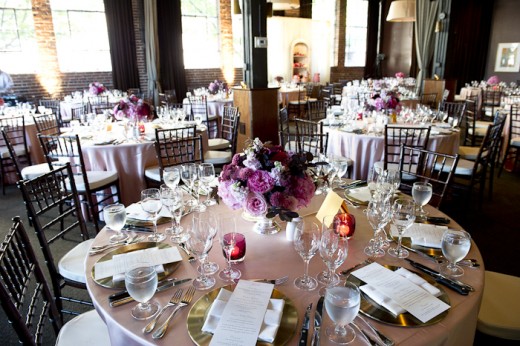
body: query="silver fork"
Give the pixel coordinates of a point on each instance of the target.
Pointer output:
(278, 281)
(175, 299)
(129, 241)
(186, 299)
(346, 273)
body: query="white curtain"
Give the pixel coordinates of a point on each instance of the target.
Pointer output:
(425, 17)
(152, 49)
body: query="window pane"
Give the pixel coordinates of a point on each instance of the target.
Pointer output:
(356, 32)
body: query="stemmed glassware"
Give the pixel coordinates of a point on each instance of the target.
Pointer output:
(306, 243)
(422, 193)
(206, 176)
(141, 283)
(333, 250)
(341, 167)
(403, 216)
(342, 305)
(210, 268)
(171, 177)
(227, 236)
(115, 219)
(199, 242)
(189, 174)
(373, 175)
(151, 203)
(378, 214)
(173, 200)
(455, 246)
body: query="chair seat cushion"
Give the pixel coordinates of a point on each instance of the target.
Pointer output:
(479, 131)
(218, 144)
(464, 167)
(72, 265)
(19, 150)
(217, 157)
(469, 153)
(87, 329)
(515, 141)
(483, 124)
(498, 315)
(96, 179)
(296, 102)
(153, 173)
(34, 171)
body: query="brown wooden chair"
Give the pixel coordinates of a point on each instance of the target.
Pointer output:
(310, 137)
(53, 104)
(512, 152)
(455, 110)
(98, 101)
(199, 106)
(429, 100)
(29, 304)
(490, 103)
(227, 139)
(317, 110)
(47, 124)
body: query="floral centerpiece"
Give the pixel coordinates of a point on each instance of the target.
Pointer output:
(215, 86)
(386, 100)
(399, 75)
(267, 181)
(96, 88)
(133, 108)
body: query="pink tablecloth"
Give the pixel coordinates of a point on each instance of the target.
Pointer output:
(273, 256)
(365, 150)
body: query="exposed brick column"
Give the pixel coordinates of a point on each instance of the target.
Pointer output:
(226, 40)
(341, 27)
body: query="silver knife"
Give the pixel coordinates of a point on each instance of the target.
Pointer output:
(305, 326)
(456, 285)
(317, 322)
(127, 299)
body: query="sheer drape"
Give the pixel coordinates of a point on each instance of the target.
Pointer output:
(152, 49)
(120, 25)
(426, 15)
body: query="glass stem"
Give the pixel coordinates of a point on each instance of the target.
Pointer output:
(400, 231)
(155, 226)
(305, 271)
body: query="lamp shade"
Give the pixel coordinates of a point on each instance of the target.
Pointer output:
(281, 5)
(401, 11)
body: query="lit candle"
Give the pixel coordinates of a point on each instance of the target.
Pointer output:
(346, 225)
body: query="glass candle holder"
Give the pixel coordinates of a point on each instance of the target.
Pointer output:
(345, 224)
(238, 253)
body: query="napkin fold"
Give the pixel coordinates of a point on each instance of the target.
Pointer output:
(135, 211)
(361, 193)
(121, 276)
(390, 304)
(270, 325)
(423, 234)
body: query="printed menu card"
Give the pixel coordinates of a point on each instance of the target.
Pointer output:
(243, 315)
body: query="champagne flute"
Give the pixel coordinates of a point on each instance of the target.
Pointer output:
(151, 203)
(188, 176)
(342, 306)
(141, 283)
(455, 246)
(333, 250)
(403, 216)
(422, 193)
(306, 243)
(172, 177)
(199, 243)
(207, 175)
(228, 237)
(179, 235)
(115, 219)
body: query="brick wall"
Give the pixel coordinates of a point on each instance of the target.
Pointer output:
(349, 73)
(196, 78)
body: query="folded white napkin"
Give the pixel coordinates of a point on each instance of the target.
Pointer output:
(270, 325)
(423, 234)
(361, 193)
(121, 276)
(135, 211)
(391, 305)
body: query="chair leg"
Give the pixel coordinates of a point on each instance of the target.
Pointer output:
(504, 161)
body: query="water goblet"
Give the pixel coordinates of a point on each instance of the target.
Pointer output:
(172, 176)
(333, 249)
(207, 175)
(455, 246)
(342, 306)
(403, 216)
(189, 173)
(341, 165)
(199, 243)
(378, 214)
(306, 243)
(209, 218)
(141, 283)
(151, 203)
(228, 240)
(115, 219)
(422, 193)
(373, 175)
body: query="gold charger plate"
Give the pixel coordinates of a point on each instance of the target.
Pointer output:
(199, 310)
(136, 222)
(407, 241)
(372, 309)
(354, 199)
(108, 283)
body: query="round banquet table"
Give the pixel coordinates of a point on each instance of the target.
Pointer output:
(272, 256)
(366, 149)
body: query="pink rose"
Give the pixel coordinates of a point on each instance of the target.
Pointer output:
(255, 204)
(260, 182)
(302, 189)
(224, 191)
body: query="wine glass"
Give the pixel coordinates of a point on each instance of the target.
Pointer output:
(306, 243)
(422, 193)
(207, 175)
(342, 305)
(373, 175)
(227, 236)
(151, 203)
(171, 176)
(188, 176)
(341, 165)
(141, 283)
(210, 268)
(378, 214)
(199, 243)
(403, 216)
(333, 250)
(455, 246)
(172, 200)
(115, 219)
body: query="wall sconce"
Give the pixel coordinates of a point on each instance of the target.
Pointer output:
(401, 11)
(236, 7)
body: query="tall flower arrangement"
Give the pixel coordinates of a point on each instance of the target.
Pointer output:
(266, 180)
(215, 86)
(96, 88)
(384, 100)
(133, 108)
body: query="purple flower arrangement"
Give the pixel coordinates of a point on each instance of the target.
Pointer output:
(133, 108)
(266, 180)
(399, 75)
(215, 86)
(382, 101)
(96, 88)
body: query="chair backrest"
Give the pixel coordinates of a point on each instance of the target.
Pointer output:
(455, 111)
(54, 210)
(199, 106)
(98, 101)
(53, 104)
(16, 162)
(46, 124)
(490, 102)
(283, 120)
(428, 166)
(78, 113)
(395, 136)
(429, 100)
(26, 298)
(15, 133)
(229, 126)
(317, 110)
(469, 121)
(310, 137)
(514, 122)
(177, 146)
(326, 95)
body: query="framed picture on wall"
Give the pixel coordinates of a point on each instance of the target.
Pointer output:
(508, 57)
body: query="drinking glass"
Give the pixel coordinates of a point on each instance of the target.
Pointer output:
(210, 268)
(378, 214)
(189, 173)
(207, 175)
(141, 283)
(151, 203)
(228, 239)
(341, 165)
(403, 216)
(172, 199)
(199, 242)
(172, 176)
(422, 193)
(342, 305)
(333, 250)
(306, 243)
(115, 219)
(455, 246)
(373, 175)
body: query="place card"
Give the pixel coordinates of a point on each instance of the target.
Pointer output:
(243, 315)
(418, 302)
(331, 205)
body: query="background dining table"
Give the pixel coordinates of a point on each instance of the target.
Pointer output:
(272, 256)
